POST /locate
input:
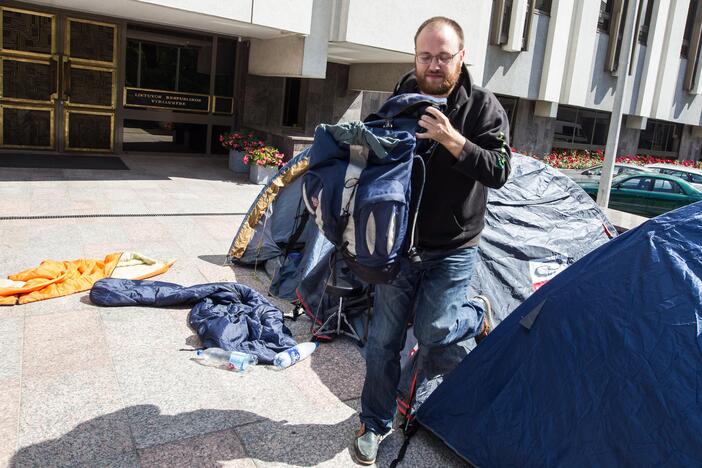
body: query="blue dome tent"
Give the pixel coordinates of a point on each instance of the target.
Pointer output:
(602, 366)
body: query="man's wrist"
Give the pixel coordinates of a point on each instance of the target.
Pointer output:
(454, 143)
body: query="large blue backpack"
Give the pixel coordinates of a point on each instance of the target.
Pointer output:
(357, 186)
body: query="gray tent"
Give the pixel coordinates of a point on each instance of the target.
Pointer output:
(536, 225)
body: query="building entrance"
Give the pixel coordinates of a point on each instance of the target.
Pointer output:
(57, 82)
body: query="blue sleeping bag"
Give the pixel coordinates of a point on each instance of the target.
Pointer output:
(230, 316)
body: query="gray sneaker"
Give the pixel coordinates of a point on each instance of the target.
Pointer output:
(365, 446)
(488, 323)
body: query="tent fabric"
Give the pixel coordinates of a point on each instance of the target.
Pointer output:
(230, 316)
(601, 366)
(535, 226)
(246, 235)
(60, 278)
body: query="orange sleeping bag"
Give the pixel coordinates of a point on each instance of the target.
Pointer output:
(59, 278)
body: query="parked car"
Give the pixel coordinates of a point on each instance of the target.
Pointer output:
(594, 173)
(647, 194)
(691, 175)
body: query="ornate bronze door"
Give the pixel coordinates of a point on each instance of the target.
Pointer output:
(57, 82)
(29, 79)
(88, 87)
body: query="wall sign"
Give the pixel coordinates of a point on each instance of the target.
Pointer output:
(166, 100)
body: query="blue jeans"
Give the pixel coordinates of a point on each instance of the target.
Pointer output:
(436, 290)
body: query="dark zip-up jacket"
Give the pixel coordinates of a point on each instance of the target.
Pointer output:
(452, 210)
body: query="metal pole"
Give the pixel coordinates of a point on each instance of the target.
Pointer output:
(615, 121)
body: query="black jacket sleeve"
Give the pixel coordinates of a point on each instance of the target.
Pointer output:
(486, 155)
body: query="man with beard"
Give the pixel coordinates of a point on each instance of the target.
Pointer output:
(468, 153)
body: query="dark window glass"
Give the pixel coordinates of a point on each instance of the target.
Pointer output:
(631, 183)
(158, 66)
(509, 104)
(660, 136)
(168, 67)
(645, 24)
(580, 128)
(226, 59)
(666, 186)
(605, 15)
(132, 64)
(506, 17)
(636, 183)
(543, 6)
(194, 70)
(689, 23)
(164, 137)
(292, 104)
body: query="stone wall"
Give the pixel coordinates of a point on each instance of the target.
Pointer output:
(628, 141)
(690, 145)
(532, 135)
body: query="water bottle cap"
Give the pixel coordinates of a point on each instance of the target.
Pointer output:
(199, 353)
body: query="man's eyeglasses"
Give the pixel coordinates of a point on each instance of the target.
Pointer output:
(443, 58)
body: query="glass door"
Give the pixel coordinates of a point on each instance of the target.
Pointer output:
(29, 75)
(89, 68)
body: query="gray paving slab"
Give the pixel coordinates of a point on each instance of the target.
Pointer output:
(220, 448)
(64, 343)
(71, 419)
(11, 333)
(9, 418)
(320, 438)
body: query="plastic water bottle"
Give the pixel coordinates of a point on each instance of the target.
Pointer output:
(232, 360)
(290, 356)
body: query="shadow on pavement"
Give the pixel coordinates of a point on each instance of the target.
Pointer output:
(96, 440)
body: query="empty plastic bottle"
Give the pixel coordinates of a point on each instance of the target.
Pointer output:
(290, 356)
(232, 360)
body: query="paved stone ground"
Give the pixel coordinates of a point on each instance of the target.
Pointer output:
(89, 386)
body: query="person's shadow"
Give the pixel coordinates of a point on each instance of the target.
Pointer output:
(271, 441)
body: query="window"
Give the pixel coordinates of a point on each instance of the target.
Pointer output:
(293, 103)
(605, 15)
(689, 23)
(168, 66)
(646, 23)
(636, 183)
(543, 6)
(659, 136)
(665, 186)
(509, 104)
(224, 74)
(502, 16)
(506, 16)
(580, 128)
(164, 137)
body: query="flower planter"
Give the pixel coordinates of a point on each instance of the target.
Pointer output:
(235, 162)
(262, 174)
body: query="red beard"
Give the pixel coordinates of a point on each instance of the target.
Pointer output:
(435, 88)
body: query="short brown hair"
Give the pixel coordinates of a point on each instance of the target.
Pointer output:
(441, 20)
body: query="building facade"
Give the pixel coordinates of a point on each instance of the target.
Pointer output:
(169, 76)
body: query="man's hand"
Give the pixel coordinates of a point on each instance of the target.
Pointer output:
(438, 128)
